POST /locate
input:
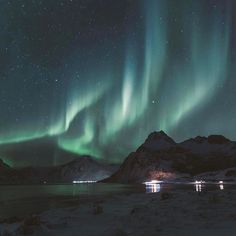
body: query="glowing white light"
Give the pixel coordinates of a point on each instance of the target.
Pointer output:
(153, 188)
(153, 182)
(198, 185)
(221, 185)
(200, 182)
(84, 181)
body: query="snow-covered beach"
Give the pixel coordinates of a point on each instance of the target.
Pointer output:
(169, 212)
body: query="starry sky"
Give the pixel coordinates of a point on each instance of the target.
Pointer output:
(97, 76)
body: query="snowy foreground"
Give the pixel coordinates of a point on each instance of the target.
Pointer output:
(173, 212)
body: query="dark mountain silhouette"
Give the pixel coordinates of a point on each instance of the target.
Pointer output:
(160, 157)
(83, 168)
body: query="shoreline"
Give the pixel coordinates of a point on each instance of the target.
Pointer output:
(170, 212)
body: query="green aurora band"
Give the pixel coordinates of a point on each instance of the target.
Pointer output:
(112, 113)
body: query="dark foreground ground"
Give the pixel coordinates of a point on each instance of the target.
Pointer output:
(170, 212)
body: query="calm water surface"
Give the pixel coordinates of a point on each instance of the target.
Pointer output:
(22, 200)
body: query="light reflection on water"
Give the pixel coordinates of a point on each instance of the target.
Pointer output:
(28, 199)
(221, 185)
(153, 188)
(199, 186)
(23, 200)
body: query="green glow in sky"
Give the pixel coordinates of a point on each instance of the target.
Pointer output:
(163, 71)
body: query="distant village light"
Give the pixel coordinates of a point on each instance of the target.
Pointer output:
(84, 181)
(153, 182)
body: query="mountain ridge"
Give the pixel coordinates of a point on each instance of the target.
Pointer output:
(160, 157)
(80, 169)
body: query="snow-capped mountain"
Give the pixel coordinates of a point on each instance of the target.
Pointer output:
(160, 157)
(82, 168)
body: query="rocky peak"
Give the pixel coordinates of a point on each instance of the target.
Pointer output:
(159, 135)
(157, 141)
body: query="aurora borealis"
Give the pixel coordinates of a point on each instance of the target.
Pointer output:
(98, 76)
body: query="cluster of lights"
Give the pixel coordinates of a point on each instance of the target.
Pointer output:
(153, 186)
(200, 182)
(153, 182)
(198, 185)
(84, 181)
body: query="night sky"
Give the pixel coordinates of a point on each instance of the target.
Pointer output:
(97, 76)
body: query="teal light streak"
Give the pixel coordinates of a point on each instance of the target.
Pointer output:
(157, 90)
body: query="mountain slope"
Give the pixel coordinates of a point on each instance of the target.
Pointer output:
(157, 141)
(82, 168)
(161, 158)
